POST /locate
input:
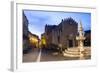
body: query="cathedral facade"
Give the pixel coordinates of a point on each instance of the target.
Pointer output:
(63, 35)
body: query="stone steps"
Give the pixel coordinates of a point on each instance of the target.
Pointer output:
(70, 55)
(74, 52)
(73, 49)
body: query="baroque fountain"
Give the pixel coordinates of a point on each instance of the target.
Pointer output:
(80, 51)
(81, 39)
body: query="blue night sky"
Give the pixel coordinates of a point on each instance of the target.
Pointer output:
(38, 19)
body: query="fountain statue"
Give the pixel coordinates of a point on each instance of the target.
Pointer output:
(81, 39)
(79, 52)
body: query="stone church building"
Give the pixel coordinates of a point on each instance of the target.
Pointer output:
(63, 34)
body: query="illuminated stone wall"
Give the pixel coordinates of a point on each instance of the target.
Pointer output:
(34, 40)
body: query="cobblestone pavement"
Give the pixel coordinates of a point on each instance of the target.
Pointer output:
(42, 55)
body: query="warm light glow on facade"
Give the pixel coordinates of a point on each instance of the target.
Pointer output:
(43, 40)
(34, 40)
